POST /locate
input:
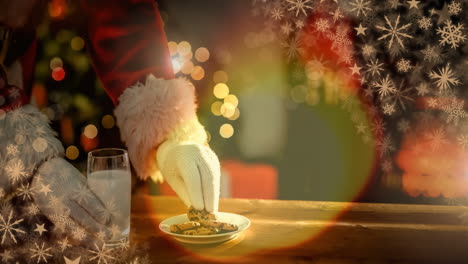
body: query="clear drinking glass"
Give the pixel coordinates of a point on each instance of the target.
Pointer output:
(109, 178)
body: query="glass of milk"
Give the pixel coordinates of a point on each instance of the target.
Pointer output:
(109, 178)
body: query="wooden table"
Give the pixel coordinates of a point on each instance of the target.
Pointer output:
(313, 232)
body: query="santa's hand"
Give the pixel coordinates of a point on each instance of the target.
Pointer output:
(193, 172)
(63, 196)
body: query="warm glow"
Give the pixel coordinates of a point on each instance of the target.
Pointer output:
(187, 68)
(90, 131)
(172, 47)
(72, 152)
(220, 77)
(108, 121)
(55, 62)
(232, 99)
(198, 73)
(221, 90)
(176, 64)
(226, 131)
(216, 108)
(184, 48)
(202, 54)
(228, 110)
(77, 43)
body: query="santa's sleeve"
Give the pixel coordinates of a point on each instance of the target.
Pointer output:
(129, 52)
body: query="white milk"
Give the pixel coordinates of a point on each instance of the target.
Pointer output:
(113, 188)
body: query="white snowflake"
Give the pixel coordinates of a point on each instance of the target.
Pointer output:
(293, 48)
(361, 128)
(101, 254)
(454, 8)
(299, 6)
(109, 210)
(403, 125)
(401, 95)
(445, 78)
(41, 253)
(340, 40)
(299, 24)
(387, 166)
(455, 110)
(360, 6)
(463, 141)
(422, 89)
(385, 86)
(431, 53)
(337, 15)
(64, 244)
(12, 149)
(388, 109)
(32, 209)
(425, 23)
(15, 170)
(404, 65)
(81, 193)
(374, 67)
(432, 102)
(436, 138)
(277, 13)
(6, 256)
(451, 34)
(394, 31)
(8, 227)
(368, 50)
(286, 28)
(322, 25)
(79, 233)
(378, 126)
(385, 145)
(25, 191)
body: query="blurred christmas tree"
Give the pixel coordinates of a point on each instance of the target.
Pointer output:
(66, 88)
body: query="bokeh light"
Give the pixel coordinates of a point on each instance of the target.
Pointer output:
(216, 108)
(77, 43)
(72, 152)
(184, 48)
(221, 90)
(220, 77)
(187, 68)
(228, 110)
(197, 73)
(236, 114)
(202, 54)
(226, 130)
(108, 121)
(58, 74)
(90, 131)
(172, 48)
(55, 62)
(232, 99)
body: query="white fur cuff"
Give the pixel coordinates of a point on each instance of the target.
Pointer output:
(147, 113)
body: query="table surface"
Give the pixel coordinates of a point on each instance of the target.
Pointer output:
(313, 232)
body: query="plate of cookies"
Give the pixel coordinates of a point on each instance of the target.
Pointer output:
(201, 227)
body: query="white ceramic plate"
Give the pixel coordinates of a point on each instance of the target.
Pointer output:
(241, 221)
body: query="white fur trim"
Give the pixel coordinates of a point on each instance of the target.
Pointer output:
(146, 115)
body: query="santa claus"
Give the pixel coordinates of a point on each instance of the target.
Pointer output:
(156, 114)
